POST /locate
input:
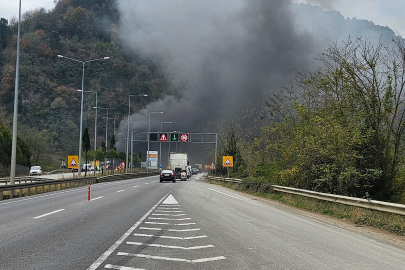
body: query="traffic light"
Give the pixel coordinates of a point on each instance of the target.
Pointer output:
(153, 137)
(184, 137)
(163, 137)
(174, 137)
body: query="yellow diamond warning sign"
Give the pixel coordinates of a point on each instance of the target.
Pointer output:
(73, 162)
(227, 161)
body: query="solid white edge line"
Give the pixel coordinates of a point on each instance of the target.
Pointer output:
(97, 198)
(233, 197)
(109, 251)
(48, 214)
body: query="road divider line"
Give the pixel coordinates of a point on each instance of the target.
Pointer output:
(105, 255)
(48, 214)
(166, 246)
(136, 186)
(171, 259)
(120, 191)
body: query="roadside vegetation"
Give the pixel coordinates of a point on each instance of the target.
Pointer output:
(338, 130)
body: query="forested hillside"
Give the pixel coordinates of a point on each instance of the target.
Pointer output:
(49, 105)
(339, 130)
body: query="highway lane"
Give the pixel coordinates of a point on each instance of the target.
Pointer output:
(75, 236)
(144, 224)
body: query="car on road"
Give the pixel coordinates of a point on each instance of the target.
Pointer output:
(167, 175)
(86, 167)
(36, 170)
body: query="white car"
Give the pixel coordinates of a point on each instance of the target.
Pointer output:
(36, 170)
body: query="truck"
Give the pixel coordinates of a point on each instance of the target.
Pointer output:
(178, 163)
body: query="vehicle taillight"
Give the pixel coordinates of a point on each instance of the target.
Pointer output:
(172, 174)
(161, 174)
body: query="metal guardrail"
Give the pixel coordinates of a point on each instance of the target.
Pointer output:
(358, 202)
(22, 179)
(32, 187)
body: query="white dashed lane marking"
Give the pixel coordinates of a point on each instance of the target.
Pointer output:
(97, 198)
(44, 215)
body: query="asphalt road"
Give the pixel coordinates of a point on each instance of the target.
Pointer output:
(144, 224)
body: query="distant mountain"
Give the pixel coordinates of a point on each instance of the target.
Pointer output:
(327, 27)
(48, 101)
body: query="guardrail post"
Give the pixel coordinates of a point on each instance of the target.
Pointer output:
(1, 195)
(36, 190)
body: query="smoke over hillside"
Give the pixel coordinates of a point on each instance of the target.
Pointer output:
(229, 53)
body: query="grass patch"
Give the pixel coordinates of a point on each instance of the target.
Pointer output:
(386, 221)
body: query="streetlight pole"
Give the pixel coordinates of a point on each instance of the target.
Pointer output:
(160, 142)
(14, 138)
(81, 104)
(95, 132)
(108, 118)
(106, 125)
(147, 154)
(127, 144)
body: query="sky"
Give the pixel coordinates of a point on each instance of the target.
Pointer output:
(382, 12)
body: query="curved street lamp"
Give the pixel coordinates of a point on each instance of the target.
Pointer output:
(160, 143)
(127, 144)
(147, 154)
(81, 104)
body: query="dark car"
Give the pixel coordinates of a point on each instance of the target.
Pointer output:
(167, 175)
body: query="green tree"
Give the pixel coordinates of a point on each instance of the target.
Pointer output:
(86, 145)
(23, 153)
(112, 143)
(343, 125)
(103, 148)
(122, 156)
(231, 148)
